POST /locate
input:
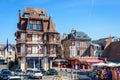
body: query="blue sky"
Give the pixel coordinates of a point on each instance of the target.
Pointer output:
(97, 18)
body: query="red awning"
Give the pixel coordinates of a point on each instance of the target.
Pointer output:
(93, 60)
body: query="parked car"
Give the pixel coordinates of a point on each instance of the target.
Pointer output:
(44, 72)
(14, 78)
(52, 72)
(18, 72)
(4, 70)
(29, 72)
(6, 74)
(37, 74)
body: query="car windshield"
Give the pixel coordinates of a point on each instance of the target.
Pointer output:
(42, 70)
(37, 71)
(29, 71)
(15, 79)
(6, 72)
(18, 70)
(53, 70)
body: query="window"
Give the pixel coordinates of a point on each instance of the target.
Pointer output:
(35, 49)
(38, 27)
(34, 37)
(29, 49)
(78, 53)
(42, 16)
(30, 27)
(23, 49)
(30, 64)
(78, 44)
(26, 15)
(87, 45)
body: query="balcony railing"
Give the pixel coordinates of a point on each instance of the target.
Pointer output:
(21, 54)
(51, 55)
(34, 42)
(21, 40)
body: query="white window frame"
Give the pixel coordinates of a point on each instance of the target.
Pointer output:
(34, 37)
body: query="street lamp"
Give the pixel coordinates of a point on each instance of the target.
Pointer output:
(45, 54)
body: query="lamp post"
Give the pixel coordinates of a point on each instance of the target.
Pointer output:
(45, 54)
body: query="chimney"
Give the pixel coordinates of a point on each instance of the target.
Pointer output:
(19, 14)
(73, 31)
(64, 35)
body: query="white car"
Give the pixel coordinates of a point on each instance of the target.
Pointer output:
(14, 78)
(37, 74)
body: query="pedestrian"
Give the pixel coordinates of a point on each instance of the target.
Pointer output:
(109, 74)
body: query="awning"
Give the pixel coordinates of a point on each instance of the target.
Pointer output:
(33, 59)
(93, 60)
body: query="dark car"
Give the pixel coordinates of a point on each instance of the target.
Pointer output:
(18, 72)
(52, 72)
(4, 70)
(44, 72)
(6, 75)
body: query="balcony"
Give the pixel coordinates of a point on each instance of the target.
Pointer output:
(34, 42)
(51, 55)
(21, 40)
(21, 54)
(53, 42)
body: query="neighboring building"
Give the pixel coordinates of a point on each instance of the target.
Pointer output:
(97, 50)
(9, 55)
(112, 52)
(102, 41)
(76, 44)
(36, 28)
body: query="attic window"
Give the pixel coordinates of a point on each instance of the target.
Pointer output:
(85, 36)
(26, 15)
(42, 16)
(78, 36)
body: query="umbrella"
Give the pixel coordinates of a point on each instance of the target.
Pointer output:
(100, 64)
(111, 64)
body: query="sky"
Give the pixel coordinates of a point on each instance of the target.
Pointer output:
(97, 18)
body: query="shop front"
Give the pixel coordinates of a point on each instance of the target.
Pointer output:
(34, 63)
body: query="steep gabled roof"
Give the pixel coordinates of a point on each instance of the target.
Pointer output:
(112, 52)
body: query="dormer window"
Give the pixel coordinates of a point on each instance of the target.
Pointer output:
(26, 15)
(34, 25)
(42, 16)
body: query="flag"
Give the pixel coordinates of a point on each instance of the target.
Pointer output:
(7, 45)
(39, 48)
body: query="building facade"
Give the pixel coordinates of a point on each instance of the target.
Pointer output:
(76, 44)
(7, 55)
(35, 29)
